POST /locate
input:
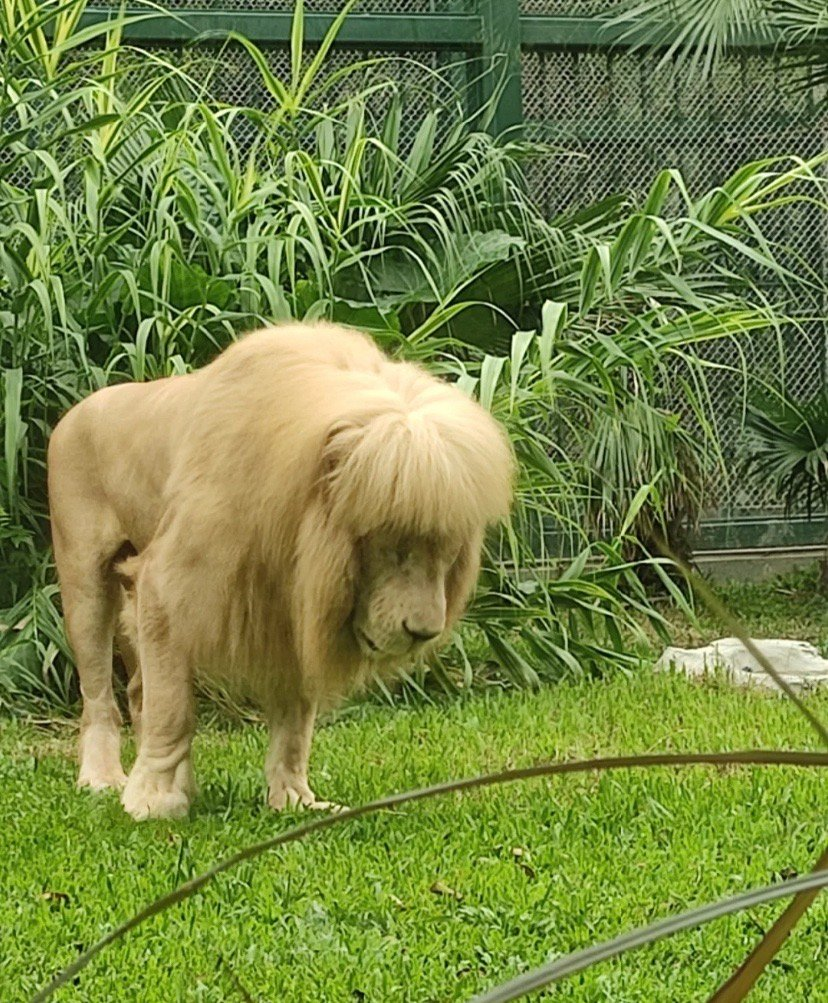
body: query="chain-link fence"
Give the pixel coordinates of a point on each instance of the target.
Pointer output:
(622, 114)
(626, 115)
(311, 6)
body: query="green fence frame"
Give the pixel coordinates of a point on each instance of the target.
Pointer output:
(496, 34)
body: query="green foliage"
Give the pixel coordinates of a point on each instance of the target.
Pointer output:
(144, 224)
(698, 30)
(788, 448)
(702, 32)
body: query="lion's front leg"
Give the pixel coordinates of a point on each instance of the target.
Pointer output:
(161, 784)
(286, 764)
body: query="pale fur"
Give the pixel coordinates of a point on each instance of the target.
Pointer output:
(245, 491)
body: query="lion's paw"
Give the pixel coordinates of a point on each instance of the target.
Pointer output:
(100, 760)
(281, 796)
(153, 795)
(102, 777)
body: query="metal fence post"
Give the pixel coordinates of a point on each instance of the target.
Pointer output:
(500, 28)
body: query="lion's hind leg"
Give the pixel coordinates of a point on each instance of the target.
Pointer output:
(90, 608)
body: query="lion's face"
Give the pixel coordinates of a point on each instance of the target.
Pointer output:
(401, 594)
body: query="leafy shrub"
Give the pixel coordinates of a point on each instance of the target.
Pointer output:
(144, 223)
(787, 449)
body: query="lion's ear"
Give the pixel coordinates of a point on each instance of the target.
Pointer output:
(462, 577)
(335, 448)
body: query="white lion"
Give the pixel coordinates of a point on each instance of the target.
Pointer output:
(294, 516)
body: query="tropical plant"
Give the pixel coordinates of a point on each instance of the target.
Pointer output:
(656, 286)
(787, 449)
(701, 32)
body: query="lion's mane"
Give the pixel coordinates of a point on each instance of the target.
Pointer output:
(296, 442)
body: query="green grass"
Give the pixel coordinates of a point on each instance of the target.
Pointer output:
(433, 902)
(789, 606)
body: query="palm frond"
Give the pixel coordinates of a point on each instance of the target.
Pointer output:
(788, 448)
(696, 31)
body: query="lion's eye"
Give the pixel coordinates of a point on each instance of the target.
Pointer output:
(402, 554)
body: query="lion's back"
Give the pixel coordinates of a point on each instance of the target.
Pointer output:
(318, 344)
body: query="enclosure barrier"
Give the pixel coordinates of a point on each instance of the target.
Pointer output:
(572, 79)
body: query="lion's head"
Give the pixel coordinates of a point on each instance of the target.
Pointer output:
(411, 475)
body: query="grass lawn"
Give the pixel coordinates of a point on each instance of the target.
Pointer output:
(439, 900)
(790, 606)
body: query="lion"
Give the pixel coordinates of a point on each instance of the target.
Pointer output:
(299, 514)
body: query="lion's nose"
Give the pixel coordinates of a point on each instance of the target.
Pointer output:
(420, 634)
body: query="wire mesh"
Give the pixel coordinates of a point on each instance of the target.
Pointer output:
(569, 8)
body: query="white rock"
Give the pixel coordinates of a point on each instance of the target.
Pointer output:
(799, 663)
